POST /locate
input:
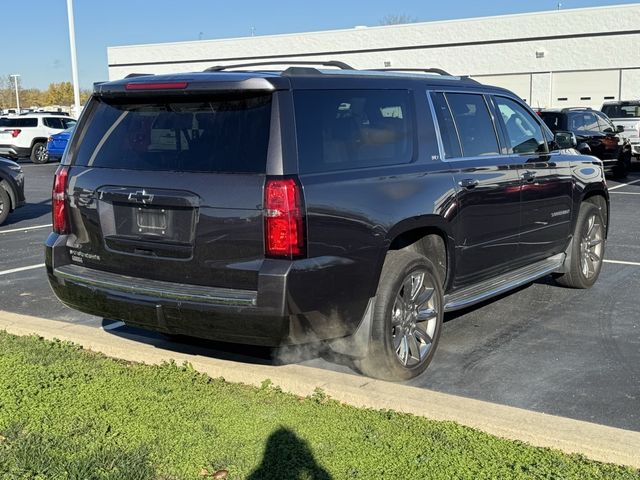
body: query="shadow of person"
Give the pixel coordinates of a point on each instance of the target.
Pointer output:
(288, 457)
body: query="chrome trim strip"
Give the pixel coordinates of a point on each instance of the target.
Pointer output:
(481, 291)
(155, 288)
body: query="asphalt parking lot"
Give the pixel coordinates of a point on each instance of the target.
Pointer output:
(574, 353)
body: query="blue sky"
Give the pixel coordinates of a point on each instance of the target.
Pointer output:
(35, 39)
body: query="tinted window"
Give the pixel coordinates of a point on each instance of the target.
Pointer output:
(52, 122)
(18, 122)
(622, 110)
(524, 132)
(474, 124)
(553, 120)
(198, 135)
(447, 127)
(346, 129)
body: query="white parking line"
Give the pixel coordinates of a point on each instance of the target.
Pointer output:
(25, 229)
(626, 193)
(622, 262)
(113, 326)
(21, 269)
(624, 184)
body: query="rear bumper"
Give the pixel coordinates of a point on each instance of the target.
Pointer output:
(277, 313)
(14, 151)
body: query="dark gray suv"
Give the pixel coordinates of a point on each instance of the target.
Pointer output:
(344, 206)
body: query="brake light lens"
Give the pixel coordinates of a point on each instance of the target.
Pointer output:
(156, 85)
(283, 219)
(14, 132)
(59, 208)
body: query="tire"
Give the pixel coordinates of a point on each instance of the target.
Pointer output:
(584, 262)
(5, 205)
(39, 153)
(401, 345)
(621, 170)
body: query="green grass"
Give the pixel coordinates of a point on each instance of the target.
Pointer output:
(70, 414)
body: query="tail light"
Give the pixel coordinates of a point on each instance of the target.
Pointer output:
(14, 132)
(59, 207)
(283, 219)
(50, 139)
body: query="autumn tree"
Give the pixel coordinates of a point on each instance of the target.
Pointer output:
(60, 93)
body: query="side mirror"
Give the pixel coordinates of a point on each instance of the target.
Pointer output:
(565, 139)
(619, 128)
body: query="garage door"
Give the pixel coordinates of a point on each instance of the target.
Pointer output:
(585, 89)
(518, 84)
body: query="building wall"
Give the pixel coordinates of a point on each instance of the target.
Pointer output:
(573, 54)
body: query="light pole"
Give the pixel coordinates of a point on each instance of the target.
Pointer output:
(74, 61)
(15, 81)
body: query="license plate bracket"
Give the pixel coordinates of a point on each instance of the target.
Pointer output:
(151, 220)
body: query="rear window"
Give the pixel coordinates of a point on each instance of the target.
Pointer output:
(212, 134)
(622, 110)
(348, 129)
(18, 122)
(553, 120)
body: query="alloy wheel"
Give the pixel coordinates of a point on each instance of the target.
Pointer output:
(591, 246)
(414, 319)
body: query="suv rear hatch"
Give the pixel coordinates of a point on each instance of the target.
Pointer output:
(170, 188)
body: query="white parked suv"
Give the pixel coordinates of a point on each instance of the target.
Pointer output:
(627, 114)
(26, 135)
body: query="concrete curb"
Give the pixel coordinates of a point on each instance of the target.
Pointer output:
(598, 442)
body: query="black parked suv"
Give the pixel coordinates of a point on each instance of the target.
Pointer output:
(11, 188)
(595, 135)
(351, 207)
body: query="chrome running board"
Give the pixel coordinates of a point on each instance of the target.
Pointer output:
(479, 292)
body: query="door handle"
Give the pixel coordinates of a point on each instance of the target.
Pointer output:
(529, 176)
(468, 183)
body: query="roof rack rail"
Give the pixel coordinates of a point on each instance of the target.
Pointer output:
(439, 71)
(329, 63)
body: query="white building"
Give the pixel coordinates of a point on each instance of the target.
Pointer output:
(578, 57)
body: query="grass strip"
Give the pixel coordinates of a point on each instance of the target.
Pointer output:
(66, 413)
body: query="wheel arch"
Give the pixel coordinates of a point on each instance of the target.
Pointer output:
(429, 235)
(600, 198)
(39, 140)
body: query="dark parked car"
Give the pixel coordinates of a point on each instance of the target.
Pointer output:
(353, 207)
(11, 188)
(57, 143)
(595, 135)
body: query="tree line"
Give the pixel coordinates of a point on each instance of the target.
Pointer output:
(56, 94)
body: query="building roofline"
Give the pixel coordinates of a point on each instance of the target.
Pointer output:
(385, 27)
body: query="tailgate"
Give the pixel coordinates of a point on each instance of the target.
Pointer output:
(171, 190)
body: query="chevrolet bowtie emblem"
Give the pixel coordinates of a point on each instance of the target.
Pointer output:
(141, 197)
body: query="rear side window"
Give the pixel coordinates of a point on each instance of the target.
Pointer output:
(212, 134)
(475, 126)
(553, 120)
(347, 129)
(447, 127)
(18, 122)
(57, 122)
(622, 110)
